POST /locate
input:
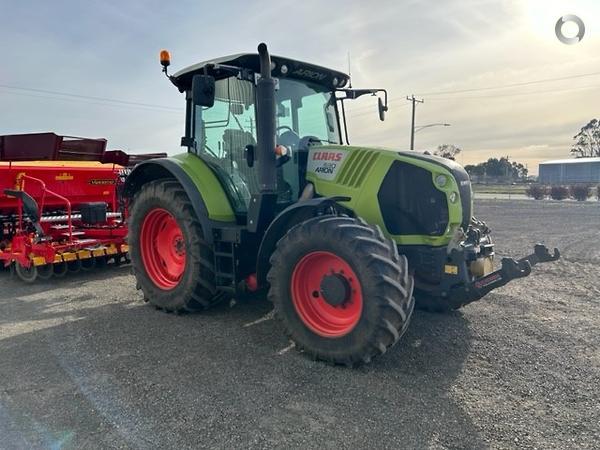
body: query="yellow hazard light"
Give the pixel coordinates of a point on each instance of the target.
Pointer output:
(165, 58)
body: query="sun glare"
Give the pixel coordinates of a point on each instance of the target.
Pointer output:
(540, 16)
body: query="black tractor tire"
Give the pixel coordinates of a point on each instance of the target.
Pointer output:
(195, 289)
(382, 280)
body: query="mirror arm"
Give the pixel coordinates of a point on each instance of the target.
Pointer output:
(344, 117)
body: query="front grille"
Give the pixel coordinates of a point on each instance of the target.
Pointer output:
(410, 203)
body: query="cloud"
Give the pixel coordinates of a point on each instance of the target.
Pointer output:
(109, 49)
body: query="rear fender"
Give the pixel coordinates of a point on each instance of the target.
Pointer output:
(206, 194)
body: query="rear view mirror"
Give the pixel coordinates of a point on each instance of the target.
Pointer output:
(382, 109)
(203, 90)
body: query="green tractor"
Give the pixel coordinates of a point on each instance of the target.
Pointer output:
(271, 196)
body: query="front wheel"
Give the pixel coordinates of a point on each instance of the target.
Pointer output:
(172, 263)
(341, 290)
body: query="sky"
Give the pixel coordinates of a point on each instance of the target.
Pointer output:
(432, 49)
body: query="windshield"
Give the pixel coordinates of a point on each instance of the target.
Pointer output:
(305, 114)
(306, 110)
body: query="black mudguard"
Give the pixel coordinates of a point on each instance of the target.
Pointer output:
(286, 219)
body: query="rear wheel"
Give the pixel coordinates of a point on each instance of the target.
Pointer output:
(341, 290)
(172, 263)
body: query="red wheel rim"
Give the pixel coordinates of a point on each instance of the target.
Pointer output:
(162, 247)
(315, 312)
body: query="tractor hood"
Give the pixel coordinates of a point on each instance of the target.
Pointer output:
(416, 198)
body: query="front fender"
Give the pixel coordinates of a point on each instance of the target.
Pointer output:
(286, 219)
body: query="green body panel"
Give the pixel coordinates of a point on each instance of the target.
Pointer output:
(359, 176)
(215, 198)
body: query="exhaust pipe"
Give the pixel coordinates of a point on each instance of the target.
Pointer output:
(265, 124)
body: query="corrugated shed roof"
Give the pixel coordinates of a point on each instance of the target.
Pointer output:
(572, 161)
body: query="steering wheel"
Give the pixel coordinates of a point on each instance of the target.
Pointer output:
(289, 138)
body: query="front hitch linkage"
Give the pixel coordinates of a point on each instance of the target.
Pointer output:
(510, 270)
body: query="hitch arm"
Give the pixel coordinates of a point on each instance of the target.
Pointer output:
(541, 254)
(510, 270)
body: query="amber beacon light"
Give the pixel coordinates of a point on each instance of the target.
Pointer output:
(165, 58)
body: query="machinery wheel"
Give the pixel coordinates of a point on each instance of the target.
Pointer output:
(88, 264)
(101, 262)
(341, 290)
(74, 266)
(26, 274)
(172, 263)
(60, 269)
(45, 272)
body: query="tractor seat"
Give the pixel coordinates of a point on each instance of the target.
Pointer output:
(234, 143)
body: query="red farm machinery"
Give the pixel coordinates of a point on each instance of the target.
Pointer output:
(61, 208)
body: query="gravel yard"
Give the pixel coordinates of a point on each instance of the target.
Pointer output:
(84, 363)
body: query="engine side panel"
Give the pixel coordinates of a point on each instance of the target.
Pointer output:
(359, 173)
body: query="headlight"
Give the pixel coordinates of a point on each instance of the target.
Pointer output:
(441, 180)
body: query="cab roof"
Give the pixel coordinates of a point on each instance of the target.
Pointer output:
(295, 69)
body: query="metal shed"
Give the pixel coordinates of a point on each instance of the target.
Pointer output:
(567, 171)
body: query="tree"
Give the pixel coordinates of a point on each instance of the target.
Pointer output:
(498, 168)
(475, 170)
(448, 151)
(519, 170)
(587, 141)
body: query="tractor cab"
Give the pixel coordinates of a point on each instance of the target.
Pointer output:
(221, 127)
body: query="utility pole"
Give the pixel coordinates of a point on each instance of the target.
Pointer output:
(412, 127)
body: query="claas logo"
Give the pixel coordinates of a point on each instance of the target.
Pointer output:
(327, 156)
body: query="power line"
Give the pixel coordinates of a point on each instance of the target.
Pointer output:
(89, 97)
(524, 83)
(87, 102)
(518, 94)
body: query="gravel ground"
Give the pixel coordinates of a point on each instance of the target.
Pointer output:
(85, 364)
